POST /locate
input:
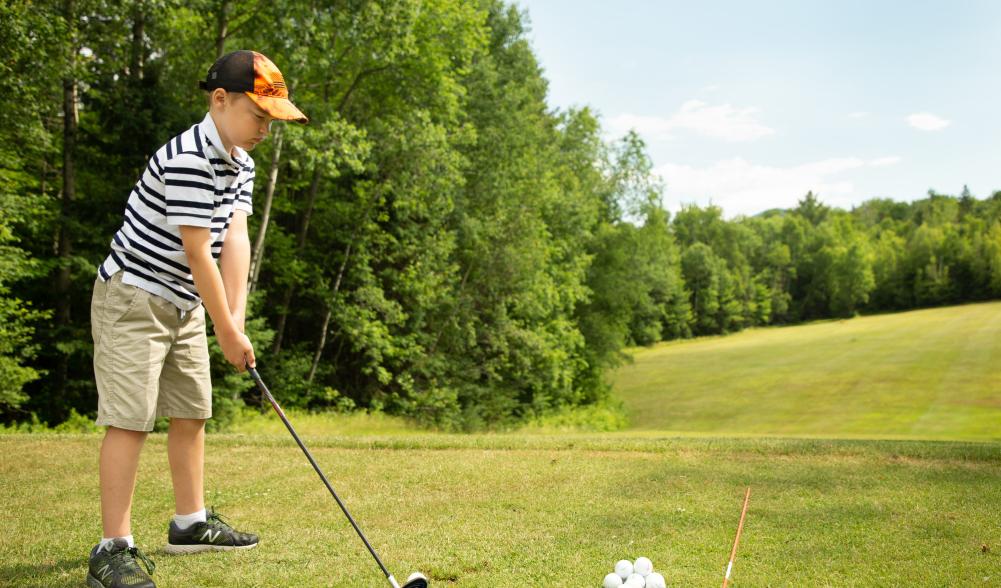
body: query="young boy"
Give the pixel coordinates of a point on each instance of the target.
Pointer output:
(187, 211)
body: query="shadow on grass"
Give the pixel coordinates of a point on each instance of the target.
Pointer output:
(46, 575)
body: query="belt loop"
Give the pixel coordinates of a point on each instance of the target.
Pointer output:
(181, 313)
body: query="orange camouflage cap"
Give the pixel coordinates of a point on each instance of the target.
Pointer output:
(256, 76)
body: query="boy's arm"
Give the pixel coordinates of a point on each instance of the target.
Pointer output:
(208, 281)
(234, 265)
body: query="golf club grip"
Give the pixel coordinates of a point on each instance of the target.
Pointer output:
(309, 456)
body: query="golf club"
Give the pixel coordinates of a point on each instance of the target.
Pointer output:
(416, 580)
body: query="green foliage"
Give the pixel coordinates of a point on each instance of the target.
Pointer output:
(75, 423)
(17, 316)
(22, 138)
(441, 245)
(603, 417)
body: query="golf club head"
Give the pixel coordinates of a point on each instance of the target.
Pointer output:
(416, 580)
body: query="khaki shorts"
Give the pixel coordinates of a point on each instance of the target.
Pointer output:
(149, 360)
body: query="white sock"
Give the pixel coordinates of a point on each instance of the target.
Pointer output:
(185, 521)
(106, 541)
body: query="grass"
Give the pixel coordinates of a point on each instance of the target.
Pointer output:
(927, 374)
(312, 423)
(792, 412)
(544, 510)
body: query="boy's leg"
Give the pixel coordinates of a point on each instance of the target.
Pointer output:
(126, 349)
(128, 346)
(186, 398)
(186, 454)
(119, 462)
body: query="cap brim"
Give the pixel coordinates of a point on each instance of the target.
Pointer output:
(279, 108)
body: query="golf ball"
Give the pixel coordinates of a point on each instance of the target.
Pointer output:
(623, 568)
(643, 566)
(636, 580)
(612, 581)
(655, 580)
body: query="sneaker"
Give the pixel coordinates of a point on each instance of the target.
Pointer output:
(117, 566)
(214, 534)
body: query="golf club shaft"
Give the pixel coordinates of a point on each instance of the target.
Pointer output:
(309, 456)
(740, 527)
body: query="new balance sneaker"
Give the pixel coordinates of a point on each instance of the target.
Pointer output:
(214, 534)
(117, 566)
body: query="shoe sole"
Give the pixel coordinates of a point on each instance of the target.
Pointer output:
(187, 549)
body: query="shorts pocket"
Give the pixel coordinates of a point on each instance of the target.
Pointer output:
(97, 305)
(118, 300)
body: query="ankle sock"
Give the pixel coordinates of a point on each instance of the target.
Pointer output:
(106, 541)
(185, 521)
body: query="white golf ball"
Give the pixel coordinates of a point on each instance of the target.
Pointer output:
(612, 581)
(623, 568)
(636, 580)
(643, 566)
(655, 580)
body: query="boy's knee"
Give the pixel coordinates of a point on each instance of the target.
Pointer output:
(118, 431)
(118, 437)
(187, 424)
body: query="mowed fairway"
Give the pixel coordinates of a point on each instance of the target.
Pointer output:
(927, 374)
(513, 511)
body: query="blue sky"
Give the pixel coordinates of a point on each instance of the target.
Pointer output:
(750, 104)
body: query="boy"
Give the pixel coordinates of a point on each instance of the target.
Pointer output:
(188, 210)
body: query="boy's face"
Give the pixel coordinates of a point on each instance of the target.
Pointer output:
(239, 121)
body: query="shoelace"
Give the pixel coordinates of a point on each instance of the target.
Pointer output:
(136, 553)
(215, 518)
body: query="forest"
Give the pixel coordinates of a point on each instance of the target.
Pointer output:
(438, 243)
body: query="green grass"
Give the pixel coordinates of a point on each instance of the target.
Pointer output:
(312, 423)
(928, 374)
(796, 413)
(544, 510)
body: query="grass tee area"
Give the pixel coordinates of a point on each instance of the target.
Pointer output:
(871, 447)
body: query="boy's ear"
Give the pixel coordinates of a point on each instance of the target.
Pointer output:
(217, 97)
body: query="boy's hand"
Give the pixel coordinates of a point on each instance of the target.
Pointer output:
(237, 348)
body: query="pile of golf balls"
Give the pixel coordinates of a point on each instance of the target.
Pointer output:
(634, 574)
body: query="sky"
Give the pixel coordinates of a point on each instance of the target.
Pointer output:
(748, 105)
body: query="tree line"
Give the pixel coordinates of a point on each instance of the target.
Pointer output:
(438, 243)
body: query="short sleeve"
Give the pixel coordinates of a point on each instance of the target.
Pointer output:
(244, 199)
(189, 189)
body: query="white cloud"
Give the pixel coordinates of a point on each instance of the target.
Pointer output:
(858, 114)
(885, 161)
(926, 121)
(720, 122)
(742, 187)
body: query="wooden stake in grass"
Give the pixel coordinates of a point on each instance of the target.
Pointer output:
(740, 527)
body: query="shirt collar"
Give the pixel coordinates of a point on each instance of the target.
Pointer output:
(211, 133)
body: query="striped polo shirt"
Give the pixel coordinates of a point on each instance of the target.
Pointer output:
(192, 181)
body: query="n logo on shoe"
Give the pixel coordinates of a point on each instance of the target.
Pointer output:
(212, 535)
(105, 572)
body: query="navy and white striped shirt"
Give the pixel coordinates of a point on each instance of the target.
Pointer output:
(192, 181)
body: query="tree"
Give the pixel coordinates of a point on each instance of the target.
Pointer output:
(811, 209)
